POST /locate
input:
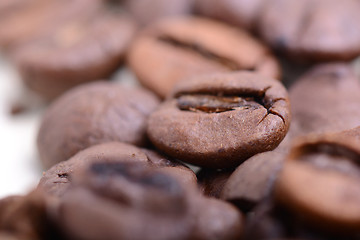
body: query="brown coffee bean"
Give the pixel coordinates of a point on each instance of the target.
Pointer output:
(171, 167)
(56, 181)
(353, 134)
(6, 204)
(313, 30)
(135, 201)
(25, 218)
(218, 220)
(212, 181)
(270, 221)
(88, 48)
(247, 114)
(326, 99)
(92, 114)
(243, 13)
(320, 182)
(179, 48)
(147, 11)
(253, 180)
(266, 222)
(34, 19)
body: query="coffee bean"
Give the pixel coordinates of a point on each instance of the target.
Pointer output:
(353, 134)
(56, 181)
(253, 180)
(25, 217)
(136, 201)
(215, 104)
(326, 99)
(171, 167)
(88, 48)
(134, 186)
(267, 221)
(313, 30)
(92, 114)
(212, 181)
(183, 47)
(34, 19)
(220, 120)
(148, 11)
(319, 182)
(242, 13)
(218, 220)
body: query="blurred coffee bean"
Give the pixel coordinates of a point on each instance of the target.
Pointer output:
(177, 49)
(326, 99)
(212, 181)
(352, 134)
(34, 19)
(135, 201)
(56, 180)
(92, 114)
(25, 218)
(86, 48)
(320, 182)
(147, 11)
(243, 13)
(313, 30)
(253, 180)
(172, 167)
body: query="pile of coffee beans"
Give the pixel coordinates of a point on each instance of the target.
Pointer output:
(243, 122)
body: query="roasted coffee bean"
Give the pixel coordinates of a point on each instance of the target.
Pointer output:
(243, 13)
(326, 99)
(217, 220)
(135, 201)
(183, 47)
(56, 180)
(25, 218)
(212, 181)
(271, 221)
(107, 179)
(247, 114)
(320, 182)
(88, 48)
(253, 180)
(215, 104)
(265, 222)
(92, 114)
(353, 134)
(313, 29)
(147, 11)
(34, 19)
(171, 167)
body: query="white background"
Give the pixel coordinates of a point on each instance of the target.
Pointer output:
(20, 170)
